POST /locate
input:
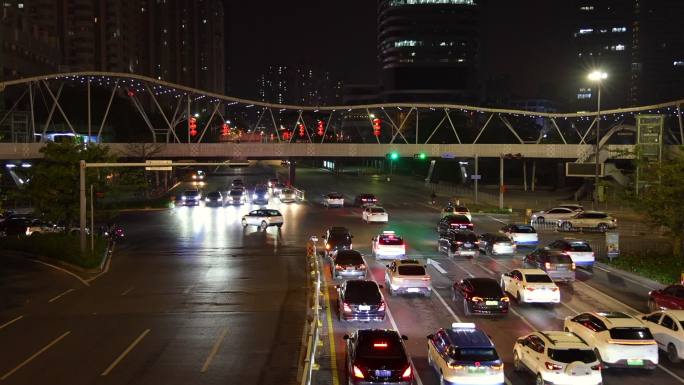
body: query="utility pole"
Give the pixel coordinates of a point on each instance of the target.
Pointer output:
(92, 220)
(477, 175)
(596, 151)
(501, 181)
(82, 196)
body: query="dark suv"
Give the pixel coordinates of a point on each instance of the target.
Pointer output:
(377, 356)
(359, 300)
(337, 238)
(365, 199)
(459, 243)
(454, 222)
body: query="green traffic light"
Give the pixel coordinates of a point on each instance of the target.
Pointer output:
(394, 155)
(422, 156)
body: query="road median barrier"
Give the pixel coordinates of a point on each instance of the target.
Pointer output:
(311, 338)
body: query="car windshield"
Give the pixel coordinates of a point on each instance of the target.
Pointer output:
(631, 334)
(461, 209)
(391, 241)
(235, 192)
(380, 346)
(411, 270)
(377, 210)
(486, 288)
(538, 278)
(214, 195)
(501, 240)
(560, 259)
(191, 193)
(474, 354)
(362, 292)
(580, 246)
(287, 191)
(567, 356)
(261, 190)
(352, 258)
(524, 229)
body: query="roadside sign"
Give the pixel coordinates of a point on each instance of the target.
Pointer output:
(476, 177)
(159, 165)
(612, 244)
(448, 155)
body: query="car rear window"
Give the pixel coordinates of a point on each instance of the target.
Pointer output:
(272, 213)
(287, 191)
(235, 192)
(345, 258)
(461, 209)
(475, 354)
(377, 210)
(380, 346)
(580, 246)
(340, 238)
(458, 218)
(538, 278)
(630, 334)
(362, 292)
(567, 356)
(560, 259)
(465, 237)
(335, 196)
(487, 289)
(524, 229)
(391, 241)
(411, 270)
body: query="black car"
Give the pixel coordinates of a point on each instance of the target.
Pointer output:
(459, 244)
(236, 196)
(191, 198)
(359, 300)
(237, 183)
(14, 226)
(365, 199)
(376, 356)
(214, 198)
(454, 222)
(260, 195)
(481, 296)
(496, 244)
(337, 238)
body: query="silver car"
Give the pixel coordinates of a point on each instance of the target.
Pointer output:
(348, 264)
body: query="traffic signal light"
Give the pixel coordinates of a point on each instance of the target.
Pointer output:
(192, 125)
(420, 156)
(377, 124)
(320, 128)
(393, 155)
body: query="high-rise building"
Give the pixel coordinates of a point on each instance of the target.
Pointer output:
(298, 85)
(638, 43)
(428, 49)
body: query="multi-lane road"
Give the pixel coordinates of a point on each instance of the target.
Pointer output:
(191, 297)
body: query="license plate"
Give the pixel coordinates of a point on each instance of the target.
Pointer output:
(413, 290)
(383, 373)
(364, 307)
(350, 269)
(491, 303)
(476, 370)
(468, 244)
(635, 362)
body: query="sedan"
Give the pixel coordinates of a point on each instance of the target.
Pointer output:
(363, 200)
(287, 195)
(375, 214)
(408, 276)
(521, 235)
(360, 301)
(377, 356)
(552, 215)
(667, 328)
(333, 200)
(481, 296)
(236, 196)
(214, 198)
(263, 218)
(671, 297)
(454, 222)
(347, 264)
(557, 265)
(496, 244)
(530, 285)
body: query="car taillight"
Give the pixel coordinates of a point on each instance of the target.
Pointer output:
(555, 288)
(529, 288)
(596, 367)
(458, 243)
(327, 246)
(426, 278)
(357, 372)
(547, 265)
(338, 267)
(574, 266)
(407, 373)
(382, 306)
(346, 307)
(504, 299)
(361, 266)
(552, 366)
(476, 299)
(28, 231)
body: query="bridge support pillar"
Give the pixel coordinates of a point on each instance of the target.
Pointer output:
(292, 168)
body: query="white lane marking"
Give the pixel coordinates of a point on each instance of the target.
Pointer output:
(125, 352)
(188, 289)
(446, 305)
(436, 265)
(58, 296)
(34, 355)
(127, 291)
(84, 282)
(8, 323)
(496, 219)
(481, 266)
(609, 297)
(522, 318)
(625, 278)
(214, 350)
(668, 371)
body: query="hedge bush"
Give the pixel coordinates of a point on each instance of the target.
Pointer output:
(659, 267)
(63, 247)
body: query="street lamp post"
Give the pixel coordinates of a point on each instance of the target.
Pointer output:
(597, 76)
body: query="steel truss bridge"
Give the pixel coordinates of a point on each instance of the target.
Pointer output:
(158, 115)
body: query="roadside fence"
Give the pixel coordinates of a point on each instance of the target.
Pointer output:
(314, 323)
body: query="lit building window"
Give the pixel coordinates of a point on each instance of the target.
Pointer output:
(587, 8)
(407, 43)
(584, 96)
(678, 63)
(585, 31)
(619, 29)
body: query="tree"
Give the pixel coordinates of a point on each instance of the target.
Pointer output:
(663, 202)
(54, 184)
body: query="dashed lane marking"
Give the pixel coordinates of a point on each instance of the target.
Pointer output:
(125, 353)
(8, 323)
(58, 296)
(127, 291)
(34, 355)
(214, 350)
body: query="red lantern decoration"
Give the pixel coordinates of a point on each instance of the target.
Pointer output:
(377, 123)
(131, 93)
(286, 135)
(320, 128)
(192, 126)
(225, 129)
(301, 129)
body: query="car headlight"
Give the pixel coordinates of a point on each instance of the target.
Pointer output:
(254, 196)
(265, 196)
(183, 198)
(206, 199)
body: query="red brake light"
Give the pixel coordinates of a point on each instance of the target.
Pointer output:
(426, 278)
(555, 288)
(547, 265)
(347, 308)
(338, 267)
(596, 367)
(327, 246)
(551, 366)
(529, 288)
(382, 306)
(357, 372)
(407, 373)
(380, 345)
(362, 266)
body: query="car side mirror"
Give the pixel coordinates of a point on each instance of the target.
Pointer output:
(346, 337)
(403, 337)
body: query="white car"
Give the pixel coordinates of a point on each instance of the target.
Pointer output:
(457, 210)
(667, 328)
(580, 251)
(333, 200)
(589, 220)
(464, 354)
(263, 218)
(530, 286)
(388, 245)
(408, 276)
(558, 358)
(552, 215)
(375, 214)
(521, 235)
(287, 195)
(619, 339)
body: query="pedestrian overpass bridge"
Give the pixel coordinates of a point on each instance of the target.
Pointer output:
(142, 117)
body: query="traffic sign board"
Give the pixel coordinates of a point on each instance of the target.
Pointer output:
(476, 177)
(448, 155)
(159, 165)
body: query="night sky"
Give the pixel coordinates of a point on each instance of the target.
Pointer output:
(527, 39)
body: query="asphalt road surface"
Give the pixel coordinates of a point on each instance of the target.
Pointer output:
(193, 298)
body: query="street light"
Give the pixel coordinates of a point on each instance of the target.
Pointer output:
(597, 76)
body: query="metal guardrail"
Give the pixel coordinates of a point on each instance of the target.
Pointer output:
(314, 322)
